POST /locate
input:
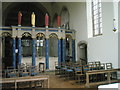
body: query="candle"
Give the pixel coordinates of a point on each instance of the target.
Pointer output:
(33, 19)
(58, 21)
(46, 20)
(19, 18)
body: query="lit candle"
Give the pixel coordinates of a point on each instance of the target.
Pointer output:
(19, 18)
(58, 21)
(46, 20)
(33, 19)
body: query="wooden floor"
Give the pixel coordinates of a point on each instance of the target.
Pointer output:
(57, 82)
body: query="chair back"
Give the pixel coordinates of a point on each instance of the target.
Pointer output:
(108, 65)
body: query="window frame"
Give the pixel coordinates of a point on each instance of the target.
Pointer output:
(97, 27)
(39, 52)
(23, 42)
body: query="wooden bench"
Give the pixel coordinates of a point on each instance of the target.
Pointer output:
(15, 81)
(109, 78)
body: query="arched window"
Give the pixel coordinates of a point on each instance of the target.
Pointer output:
(65, 18)
(55, 20)
(26, 45)
(53, 45)
(40, 45)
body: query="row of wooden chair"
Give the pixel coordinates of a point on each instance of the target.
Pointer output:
(78, 72)
(21, 71)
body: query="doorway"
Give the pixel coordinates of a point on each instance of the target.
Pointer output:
(82, 53)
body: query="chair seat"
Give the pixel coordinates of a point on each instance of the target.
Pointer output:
(86, 69)
(64, 68)
(78, 69)
(34, 73)
(94, 68)
(11, 74)
(24, 74)
(69, 70)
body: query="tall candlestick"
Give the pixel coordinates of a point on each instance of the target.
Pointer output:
(58, 21)
(19, 18)
(46, 20)
(33, 19)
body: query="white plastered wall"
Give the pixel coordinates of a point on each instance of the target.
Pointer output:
(104, 47)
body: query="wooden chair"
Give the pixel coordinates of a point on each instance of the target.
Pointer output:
(69, 73)
(57, 69)
(22, 70)
(108, 65)
(102, 66)
(97, 65)
(11, 72)
(41, 67)
(79, 75)
(33, 70)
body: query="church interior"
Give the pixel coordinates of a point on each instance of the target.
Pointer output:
(60, 44)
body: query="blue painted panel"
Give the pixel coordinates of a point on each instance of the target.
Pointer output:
(63, 50)
(26, 29)
(14, 54)
(33, 52)
(53, 30)
(47, 54)
(59, 52)
(73, 50)
(5, 29)
(19, 51)
(40, 30)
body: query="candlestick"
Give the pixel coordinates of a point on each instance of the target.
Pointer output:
(59, 21)
(33, 19)
(19, 18)
(46, 20)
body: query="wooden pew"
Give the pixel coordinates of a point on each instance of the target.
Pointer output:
(108, 76)
(42, 79)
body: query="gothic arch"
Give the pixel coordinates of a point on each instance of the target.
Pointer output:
(69, 36)
(53, 45)
(26, 34)
(53, 35)
(6, 34)
(40, 35)
(82, 42)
